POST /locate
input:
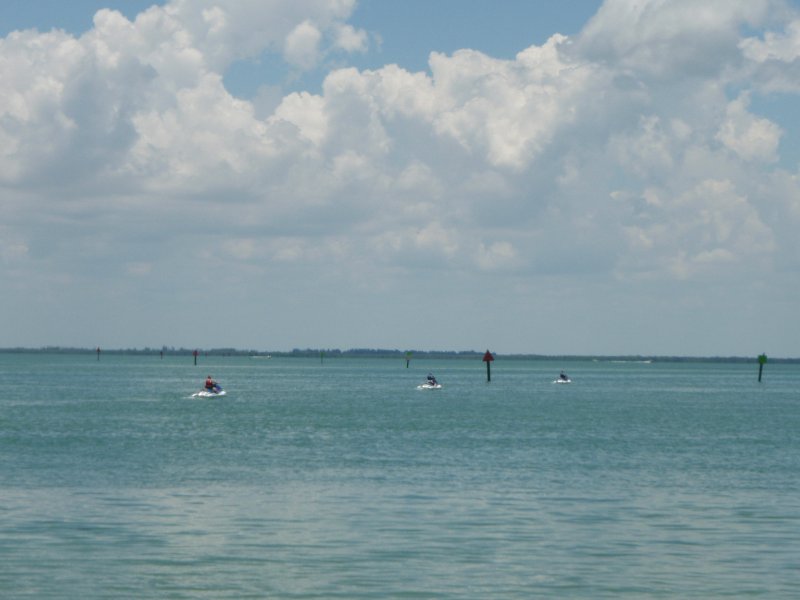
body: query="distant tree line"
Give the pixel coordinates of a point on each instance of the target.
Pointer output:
(385, 353)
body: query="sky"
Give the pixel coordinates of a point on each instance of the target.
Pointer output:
(586, 177)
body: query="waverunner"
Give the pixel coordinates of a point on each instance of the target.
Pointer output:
(563, 379)
(218, 391)
(430, 386)
(430, 383)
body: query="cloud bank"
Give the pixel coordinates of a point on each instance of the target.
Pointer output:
(582, 179)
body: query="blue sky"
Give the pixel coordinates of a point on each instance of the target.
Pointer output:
(616, 177)
(402, 32)
(408, 30)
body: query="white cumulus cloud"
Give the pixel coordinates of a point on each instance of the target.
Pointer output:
(632, 151)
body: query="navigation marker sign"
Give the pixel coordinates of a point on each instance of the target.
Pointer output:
(762, 360)
(488, 358)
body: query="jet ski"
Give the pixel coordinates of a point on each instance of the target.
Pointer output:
(429, 386)
(563, 378)
(212, 393)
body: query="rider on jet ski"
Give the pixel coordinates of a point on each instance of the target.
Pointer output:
(432, 380)
(211, 385)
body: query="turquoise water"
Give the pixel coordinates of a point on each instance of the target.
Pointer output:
(342, 480)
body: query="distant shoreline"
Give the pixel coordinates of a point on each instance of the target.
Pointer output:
(386, 353)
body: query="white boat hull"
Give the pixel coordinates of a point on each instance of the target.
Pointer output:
(207, 394)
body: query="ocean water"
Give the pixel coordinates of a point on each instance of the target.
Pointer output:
(342, 480)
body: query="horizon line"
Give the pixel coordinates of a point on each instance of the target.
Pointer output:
(383, 351)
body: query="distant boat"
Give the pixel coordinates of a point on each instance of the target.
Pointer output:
(563, 378)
